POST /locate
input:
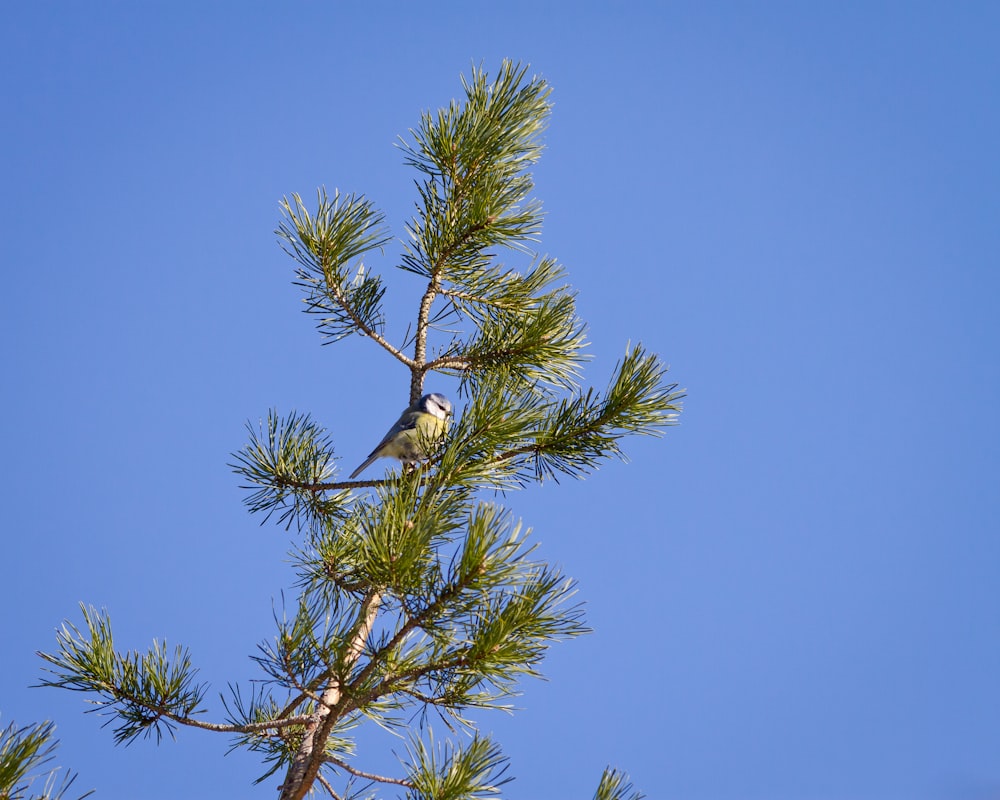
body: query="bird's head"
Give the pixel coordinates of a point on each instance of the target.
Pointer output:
(436, 404)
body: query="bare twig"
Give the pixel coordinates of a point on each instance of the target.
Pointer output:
(326, 785)
(369, 776)
(369, 332)
(250, 727)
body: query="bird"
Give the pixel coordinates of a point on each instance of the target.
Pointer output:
(417, 428)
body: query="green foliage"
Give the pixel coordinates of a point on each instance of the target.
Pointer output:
(615, 785)
(25, 754)
(419, 598)
(282, 463)
(324, 244)
(147, 693)
(475, 156)
(452, 772)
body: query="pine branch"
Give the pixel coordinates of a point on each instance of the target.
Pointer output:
(148, 693)
(476, 293)
(452, 772)
(25, 755)
(509, 443)
(474, 156)
(370, 776)
(615, 785)
(326, 785)
(490, 621)
(286, 463)
(323, 244)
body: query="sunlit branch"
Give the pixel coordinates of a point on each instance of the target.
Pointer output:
(368, 776)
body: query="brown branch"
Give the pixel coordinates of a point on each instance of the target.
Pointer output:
(304, 769)
(369, 776)
(218, 727)
(349, 310)
(420, 337)
(250, 727)
(326, 785)
(390, 684)
(418, 366)
(322, 487)
(449, 362)
(305, 693)
(405, 629)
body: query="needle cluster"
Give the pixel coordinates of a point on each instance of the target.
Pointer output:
(26, 773)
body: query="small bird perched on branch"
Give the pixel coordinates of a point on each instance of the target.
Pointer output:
(417, 429)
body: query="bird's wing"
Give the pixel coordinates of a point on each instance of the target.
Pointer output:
(407, 422)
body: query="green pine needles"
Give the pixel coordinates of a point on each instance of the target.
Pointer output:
(419, 597)
(26, 754)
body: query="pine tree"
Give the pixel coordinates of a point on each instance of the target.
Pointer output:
(419, 597)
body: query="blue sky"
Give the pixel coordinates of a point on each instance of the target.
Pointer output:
(795, 594)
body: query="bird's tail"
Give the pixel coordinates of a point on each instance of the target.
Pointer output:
(368, 462)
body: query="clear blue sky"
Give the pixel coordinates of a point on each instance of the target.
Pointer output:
(795, 594)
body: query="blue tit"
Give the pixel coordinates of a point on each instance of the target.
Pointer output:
(417, 428)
